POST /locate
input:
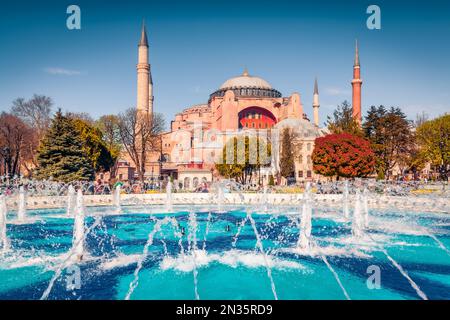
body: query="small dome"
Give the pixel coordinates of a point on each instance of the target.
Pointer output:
(246, 81)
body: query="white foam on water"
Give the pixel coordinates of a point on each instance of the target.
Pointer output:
(232, 258)
(121, 260)
(317, 251)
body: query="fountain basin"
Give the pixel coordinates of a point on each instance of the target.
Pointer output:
(223, 270)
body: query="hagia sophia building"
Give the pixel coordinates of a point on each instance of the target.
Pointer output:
(241, 105)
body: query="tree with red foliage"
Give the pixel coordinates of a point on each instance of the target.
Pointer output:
(343, 155)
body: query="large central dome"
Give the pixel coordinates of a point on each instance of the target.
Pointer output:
(246, 86)
(246, 81)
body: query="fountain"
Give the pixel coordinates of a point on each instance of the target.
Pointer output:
(305, 223)
(116, 199)
(345, 200)
(197, 251)
(71, 200)
(365, 205)
(169, 201)
(358, 216)
(78, 228)
(22, 207)
(193, 246)
(220, 196)
(265, 200)
(4, 243)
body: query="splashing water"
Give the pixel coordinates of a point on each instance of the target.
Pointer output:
(22, 209)
(306, 219)
(208, 222)
(71, 200)
(345, 200)
(261, 249)
(358, 217)
(220, 197)
(78, 227)
(193, 240)
(365, 202)
(116, 199)
(4, 243)
(169, 202)
(134, 283)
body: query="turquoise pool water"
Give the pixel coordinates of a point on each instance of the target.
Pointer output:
(215, 264)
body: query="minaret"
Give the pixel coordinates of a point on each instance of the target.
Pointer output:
(316, 104)
(144, 84)
(356, 87)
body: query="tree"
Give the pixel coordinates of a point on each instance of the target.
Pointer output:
(343, 155)
(433, 138)
(391, 137)
(109, 126)
(343, 121)
(235, 165)
(16, 138)
(61, 155)
(287, 165)
(35, 112)
(94, 146)
(139, 134)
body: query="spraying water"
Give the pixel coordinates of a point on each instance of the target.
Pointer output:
(22, 209)
(261, 249)
(220, 197)
(116, 199)
(4, 243)
(208, 222)
(193, 240)
(78, 228)
(346, 209)
(169, 203)
(265, 200)
(306, 219)
(134, 283)
(358, 218)
(365, 204)
(71, 200)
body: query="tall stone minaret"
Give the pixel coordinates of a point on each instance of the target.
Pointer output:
(144, 82)
(356, 87)
(316, 104)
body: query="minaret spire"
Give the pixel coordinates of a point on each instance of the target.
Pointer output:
(356, 54)
(316, 103)
(144, 83)
(143, 41)
(356, 87)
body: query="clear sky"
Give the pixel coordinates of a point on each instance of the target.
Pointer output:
(196, 45)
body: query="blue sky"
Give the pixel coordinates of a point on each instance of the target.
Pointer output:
(196, 45)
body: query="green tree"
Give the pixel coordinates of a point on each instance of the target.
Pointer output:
(433, 138)
(343, 121)
(391, 137)
(240, 164)
(61, 154)
(287, 165)
(94, 146)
